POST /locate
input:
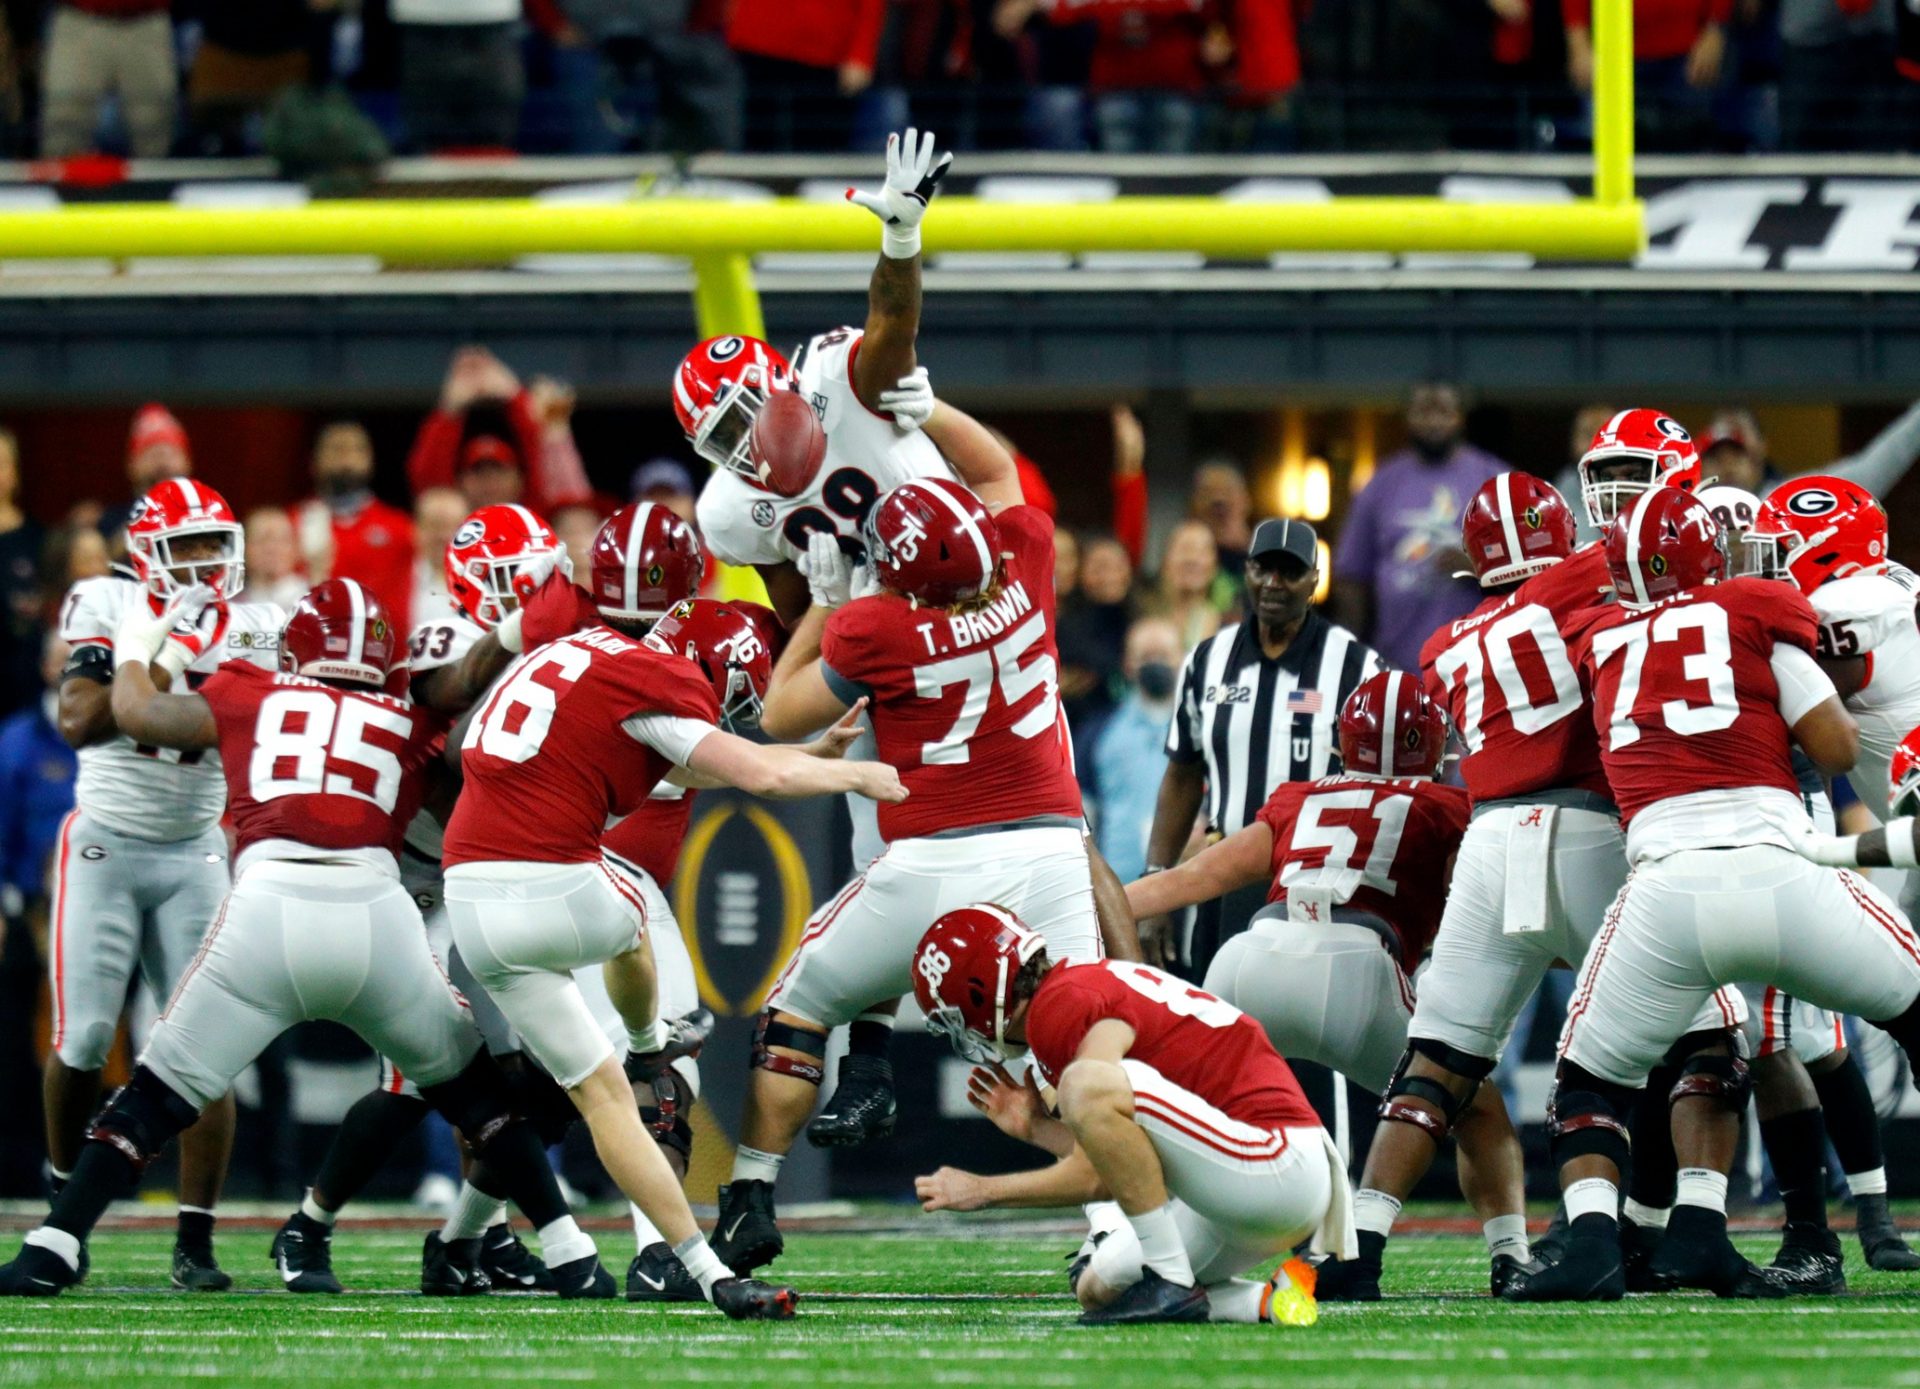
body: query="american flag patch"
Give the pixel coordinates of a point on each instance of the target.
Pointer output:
(1304, 701)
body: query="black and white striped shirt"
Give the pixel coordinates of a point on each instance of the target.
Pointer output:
(1257, 722)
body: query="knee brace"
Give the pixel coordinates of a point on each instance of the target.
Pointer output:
(1403, 1087)
(538, 1097)
(477, 1101)
(666, 1117)
(142, 1118)
(768, 1033)
(1584, 1117)
(1712, 1075)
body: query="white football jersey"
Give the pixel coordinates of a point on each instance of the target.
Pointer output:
(161, 794)
(439, 641)
(1871, 615)
(867, 455)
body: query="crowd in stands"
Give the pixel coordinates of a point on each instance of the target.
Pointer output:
(344, 81)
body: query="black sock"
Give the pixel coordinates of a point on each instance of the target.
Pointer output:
(196, 1229)
(1373, 1245)
(1655, 1173)
(1852, 1124)
(366, 1139)
(1594, 1225)
(514, 1168)
(1696, 1223)
(103, 1175)
(1796, 1145)
(869, 1039)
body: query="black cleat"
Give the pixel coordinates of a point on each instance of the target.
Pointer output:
(1152, 1299)
(1712, 1263)
(686, 1035)
(451, 1268)
(862, 1107)
(657, 1275)
(749, 1299)
(1880, 1240)
(303, 1253)
(1551, 1247)
(1352, 1280)
(1809, 1263)
(194, 1269)
(1588, 1271)
(509, 1265)
(1507, 1272)
(745, 1237)
(36, 1272)
(583, 1279)
(1638, 1246)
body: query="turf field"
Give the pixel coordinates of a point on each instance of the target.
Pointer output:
(919, 1302)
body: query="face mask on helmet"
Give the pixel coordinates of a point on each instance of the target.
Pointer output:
(724, 437)
(740, 710)
(1609, 485)
(213, 555)
(500, 590)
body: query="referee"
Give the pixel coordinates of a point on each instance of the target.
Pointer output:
(1259, 705)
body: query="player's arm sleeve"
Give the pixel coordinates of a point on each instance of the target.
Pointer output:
(1183, 734)
(673, 736)
(1881, 465)
(1803, 685)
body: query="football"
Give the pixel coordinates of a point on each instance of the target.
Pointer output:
(787, 444)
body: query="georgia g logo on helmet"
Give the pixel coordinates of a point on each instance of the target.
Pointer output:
(725, 349)
(1813, 501)
(1671, 428)
(470, 532)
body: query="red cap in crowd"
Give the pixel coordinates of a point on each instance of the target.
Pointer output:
(153, 426)
(488, 450)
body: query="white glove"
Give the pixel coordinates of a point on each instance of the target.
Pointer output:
(542, 567)
(865, 582)
(1831, 851)
(142, 633)
(829, 570)
(913, 175)
(910, 402)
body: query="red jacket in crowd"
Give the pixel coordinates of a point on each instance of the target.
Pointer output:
(818, 33)
(1160, 45)
(1661, 28)
(374, 545)
(435, 460)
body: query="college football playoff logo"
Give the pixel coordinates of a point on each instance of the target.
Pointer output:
(1657, 565)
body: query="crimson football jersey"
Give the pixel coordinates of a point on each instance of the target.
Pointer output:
(1512, 688)
(547, 761)
(317, 764)
(1684, 697)
(651, 837)
(1199, 1042)
(965, 705)
(1376, 844)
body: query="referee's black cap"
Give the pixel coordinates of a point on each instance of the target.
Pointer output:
(1271, 539)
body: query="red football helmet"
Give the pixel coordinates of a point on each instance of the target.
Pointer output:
(766, 622)
(932, 540)
(963, 973)
(340, 631)
(1665, 544)
(1632, 452)
(1516, 526)
(717, 390)
(1812, 529)
(1905, 778)
(725, 643)
(170, 516)
(1390, 726)
(645, 559)
(486, 555)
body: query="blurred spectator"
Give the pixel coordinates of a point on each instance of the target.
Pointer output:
(1093, 632)
(250, 51)
(1734, 451)
(1130, 482)
(804, 62)
(576, 526)
(1184, 593)
(461, 77)
(491, 437)
(1679, 47)
(347, 532)
(273, 559)
(73, 553)
(1394, 561)
(1839, 89)
(1220, 501)
(437, 514)
(675, 47)
(101, 48)
(667, 482)
(21, 540)
(1132, 746)
(1066, 564)
(36, 783)
(156, 451)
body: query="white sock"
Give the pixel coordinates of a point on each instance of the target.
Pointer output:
(1647, 1217)
(57, 1174)
(473, 1210)
(1160, 1245)
(1701, 1186)
(1104, 1217)
(195, 1210)
(645, 1232)
(650, 1038)
(1235, 1300)
(60, 1242)
(1872, 1183)
(882, 1019)
(1507, 1234)
(752, 1165)
(313, 1210)
(564, 1241)
(1375, 1211)
(699, 1260)
(1593, 1196)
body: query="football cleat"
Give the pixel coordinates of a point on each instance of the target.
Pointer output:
(862, 1107)
(195, 1270)
(1508, 1272)
(583, 1279)
(303, 1253)
(509, 1265)
(1352, 1280)
(1081, 1259)
(1551, 1247)
(1589, 1271)
(1638, 1246)
(685, 1036)
(657, 1275)
(1709, 1262)
(451, 1268)
(745, 1237)
(36, 1272)
(1152, 1299)
(1880, 1240)
(1809, 1262)
(1288, 1299)
(749, 1299)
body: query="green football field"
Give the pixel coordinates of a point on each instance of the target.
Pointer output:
(922, 1303)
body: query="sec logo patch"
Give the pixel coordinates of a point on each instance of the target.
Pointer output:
(763, 514)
